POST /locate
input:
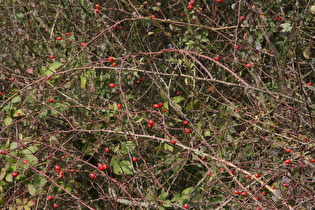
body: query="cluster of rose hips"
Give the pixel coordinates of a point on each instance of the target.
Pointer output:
(97, 10)
(113, 60)
(191, 4)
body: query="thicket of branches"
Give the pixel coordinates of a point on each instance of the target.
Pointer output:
(157, 104)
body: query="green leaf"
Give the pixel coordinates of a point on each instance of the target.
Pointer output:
(168, 147)
(13, 145)
(31, 189)
(123, 167)
(139, 120)
(51, 68)
(83, 82)
(126, 147)
(187, 190)
(166, 204)
(16, 99)
(163, 195)
(16, 113)
(286, 27)
(8, 178)
(126, 167)
(155, 8)
(178, 99)
(3, 173)
(207, 133)
(8, 121)
(30, 150)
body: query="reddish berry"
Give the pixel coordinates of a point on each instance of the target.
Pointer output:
(1, 93)
(182, 14)
(57, 168)
(178, 93)
(50, 197)
(153, 16)
(247, 176)
(288, 150)
(164, 110)
(257, 175)
(72, 170)
(119, 106)
(287, 161)
(150, 126)
(173, 142)
(236, 47)
(93, 176)
(156, 106)
(203, 158)
(232, 172)
(55, 205)
(312, 160)
(63, 157)
(242, 18)
(161, 104)
(243, 193)
(114, 64)
(83, 44)
(12, 79)
(216, 58)
(15, 174)
(236, 192)
(114, 26)
(25, 162)
(190, 6)
(120, 27)
(186, 122)
(51, 100)
(59, 38)
(192, 2)
(309, 83)
(112, 85)
(279, 18)
(248, 65)
(51, 57)
(134, 159)
(219, 0)
(18, 113)
(264, 193)
(187, 130)
(97, 6)
(151, 122)
(285, 185)
(60, 175)
(111, 59)
(102, 167)
(67, 34)
(186, 206)
(96, 10)
(208, 174)
(107, 150)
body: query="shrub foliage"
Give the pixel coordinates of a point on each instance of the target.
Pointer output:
(157, 104)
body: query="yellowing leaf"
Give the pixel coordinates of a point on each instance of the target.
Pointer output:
(306, 53)
(83, 82)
